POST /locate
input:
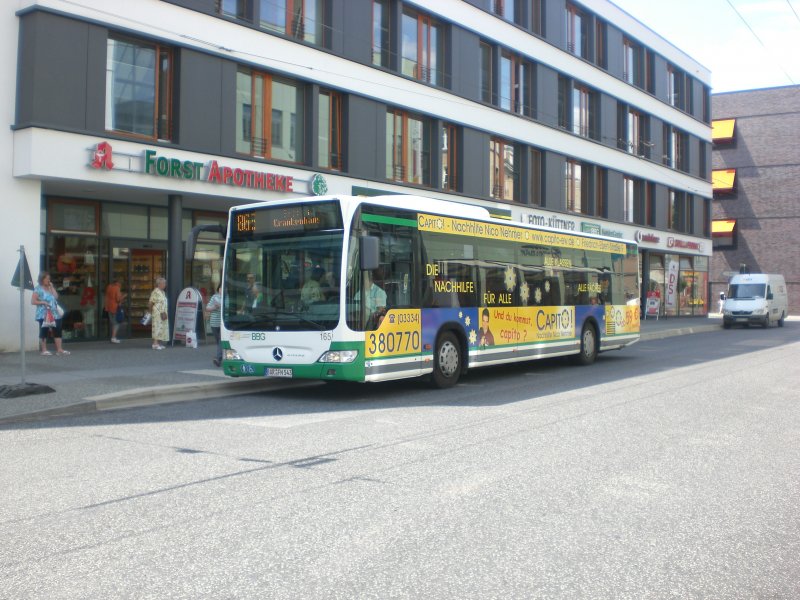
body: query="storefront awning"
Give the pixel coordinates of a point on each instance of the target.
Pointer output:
(722, 130)
(723, 180)
(723, 228)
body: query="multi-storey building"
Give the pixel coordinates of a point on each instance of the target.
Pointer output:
(756, 166)
(133, 121)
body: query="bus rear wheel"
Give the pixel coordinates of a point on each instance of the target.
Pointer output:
(588, 352)
(446, 361)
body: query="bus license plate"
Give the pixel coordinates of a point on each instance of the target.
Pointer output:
(279, 372)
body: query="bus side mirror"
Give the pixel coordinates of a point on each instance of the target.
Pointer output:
(368, 252)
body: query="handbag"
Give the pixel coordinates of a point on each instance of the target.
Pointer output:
(59, 312)
(146, 318)
(119, 316)
(49, 320)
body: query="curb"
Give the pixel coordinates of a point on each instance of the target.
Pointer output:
(149, 396)
(667, 333)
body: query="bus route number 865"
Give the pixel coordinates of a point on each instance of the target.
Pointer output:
(392, 342)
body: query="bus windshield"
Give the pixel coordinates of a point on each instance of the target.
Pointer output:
(282, 268)
(743, 291)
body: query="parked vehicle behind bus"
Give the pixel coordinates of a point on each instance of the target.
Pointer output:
(755, 299)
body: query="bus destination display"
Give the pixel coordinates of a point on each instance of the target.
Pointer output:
(287, 219)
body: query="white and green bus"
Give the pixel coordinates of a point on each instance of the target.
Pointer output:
(380, 288)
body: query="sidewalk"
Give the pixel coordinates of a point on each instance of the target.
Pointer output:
(101, 376)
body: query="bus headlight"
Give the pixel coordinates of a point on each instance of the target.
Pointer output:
(338, 356)
(229, 354)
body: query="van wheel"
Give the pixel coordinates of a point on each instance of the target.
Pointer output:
(588, 352)
(780, 321)
(446, 361)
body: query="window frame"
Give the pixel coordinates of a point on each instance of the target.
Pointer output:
(519, 84)
(449, 158)
(576, 19)
(425, 24)
(160, 96)
(334, 145)
(267, 116)
(497, 174)
(404, 118)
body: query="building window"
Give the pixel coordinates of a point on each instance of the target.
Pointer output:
(678, 213)
(600, 49)
(649, 71)
(600, 187)
(300, 19)
(583, 112)
(723, 233)
(270, 117)
(678, 154)
(237, 9)
(574, 188)
(422, 48)
(139, 89)
(502, 171)
(486, 73)
(408, 143)
(679, 88)
(723, 131)
(702, 149)
(330, 130)
(577, 32)
(380, 33)
(449, 170)
(650, 204)
(630, 199)
(515, 85)
(505, 9)
(635, 139)
(723, 182)
(534, 177)
(632, 67)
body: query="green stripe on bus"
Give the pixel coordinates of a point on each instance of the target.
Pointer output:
(389, 220)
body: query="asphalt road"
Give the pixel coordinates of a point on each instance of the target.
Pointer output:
(669, 469)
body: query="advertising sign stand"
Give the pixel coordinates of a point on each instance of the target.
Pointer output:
(23, 280)
(188, 313)
(653, 305)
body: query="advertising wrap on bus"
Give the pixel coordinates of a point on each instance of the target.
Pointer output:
(370, 289)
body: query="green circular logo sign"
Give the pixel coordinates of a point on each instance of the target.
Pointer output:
(319, 187)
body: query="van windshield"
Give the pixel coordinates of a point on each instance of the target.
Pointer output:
(743, 291)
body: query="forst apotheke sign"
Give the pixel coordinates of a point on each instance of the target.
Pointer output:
(209, 172)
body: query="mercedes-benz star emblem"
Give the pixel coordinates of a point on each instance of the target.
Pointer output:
(277, 354)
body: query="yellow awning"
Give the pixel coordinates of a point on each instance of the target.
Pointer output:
(723, 227)
(723, 180)
(722, 130)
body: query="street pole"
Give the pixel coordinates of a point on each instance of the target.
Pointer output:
(22, 262)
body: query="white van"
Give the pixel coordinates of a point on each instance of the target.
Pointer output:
(757, 298)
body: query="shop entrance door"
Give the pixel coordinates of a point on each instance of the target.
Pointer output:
(136, 269)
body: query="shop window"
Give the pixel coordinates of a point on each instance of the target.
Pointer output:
(270, 117)
(72, 264)
(408, 143)
(72, 216)
(139, 88)
(124, 220)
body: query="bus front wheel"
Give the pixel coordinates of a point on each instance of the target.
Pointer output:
(447, 361)
(588, 352)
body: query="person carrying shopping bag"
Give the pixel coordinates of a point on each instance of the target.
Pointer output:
(48, 313)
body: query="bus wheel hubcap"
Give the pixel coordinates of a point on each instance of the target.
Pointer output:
(588, 343)
(448, 359)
